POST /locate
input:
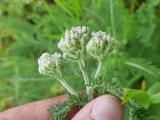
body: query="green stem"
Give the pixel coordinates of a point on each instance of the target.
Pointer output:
(68, 87)
(112, 18)
(89, 89)
(85, 76)
(16, 84)
(90, 93)
(65, 84)
(98, 69)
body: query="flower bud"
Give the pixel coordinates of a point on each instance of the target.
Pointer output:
(99, 45)
(49, 64)
(74, 40)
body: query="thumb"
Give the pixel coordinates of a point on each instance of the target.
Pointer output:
(105, 107)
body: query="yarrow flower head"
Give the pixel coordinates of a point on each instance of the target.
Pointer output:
(49, 64)
(74, 40)
(99, 45)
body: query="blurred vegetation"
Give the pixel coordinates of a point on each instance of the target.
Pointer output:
(31, 27)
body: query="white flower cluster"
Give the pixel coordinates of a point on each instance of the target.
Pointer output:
(75, 43)
(74, 40)
(49, 63)
(100, 44)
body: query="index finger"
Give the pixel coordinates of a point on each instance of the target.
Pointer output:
(33, 111)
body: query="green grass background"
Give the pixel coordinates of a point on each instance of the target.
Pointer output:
(30, 27)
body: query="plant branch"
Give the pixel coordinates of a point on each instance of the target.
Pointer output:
(68, 87)
(65, 84)
(84, 73)
(89, 89)
(98, 69)
(112, 18)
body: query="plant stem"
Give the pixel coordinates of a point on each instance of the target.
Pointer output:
(89, 89)
(98, 69)
(112, 18)
(68, 87)
(85, 76)
(16, 84)
(64, 83)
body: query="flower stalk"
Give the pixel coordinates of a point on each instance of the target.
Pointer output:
(65, 84)
(84, 73)
(98, 71)
(89, 89)
(68, 87)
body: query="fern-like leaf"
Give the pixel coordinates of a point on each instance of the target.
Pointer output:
(145, 66)
(59, 112)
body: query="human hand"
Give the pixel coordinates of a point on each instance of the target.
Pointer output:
(105, 107)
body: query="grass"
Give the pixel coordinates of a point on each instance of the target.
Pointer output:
(29, 29)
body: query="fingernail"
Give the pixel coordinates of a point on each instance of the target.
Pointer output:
(107, 108)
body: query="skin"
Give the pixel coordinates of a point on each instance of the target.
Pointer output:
(38, 110)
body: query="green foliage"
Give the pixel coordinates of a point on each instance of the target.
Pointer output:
(138, 95)
(135, 113)
(29, 28)
(155, 98)
(155, 88)
(146, 67)
(107, 84)
(59, 112)
(146, 17)
(103, 86)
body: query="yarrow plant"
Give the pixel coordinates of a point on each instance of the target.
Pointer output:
(75, 45)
